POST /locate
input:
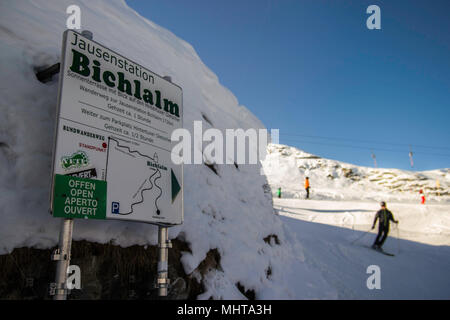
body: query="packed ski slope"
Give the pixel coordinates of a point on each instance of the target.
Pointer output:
(333, 225)
(347, 195)
(417, 271)
(428, 224)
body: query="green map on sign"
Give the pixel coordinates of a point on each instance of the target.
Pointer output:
(79, 198)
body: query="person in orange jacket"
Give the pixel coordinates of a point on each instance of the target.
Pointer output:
(307, 187)
(422, 197)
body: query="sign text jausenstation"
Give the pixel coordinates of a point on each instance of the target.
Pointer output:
(115, 119)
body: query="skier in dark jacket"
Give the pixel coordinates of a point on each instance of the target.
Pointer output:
(385, 217)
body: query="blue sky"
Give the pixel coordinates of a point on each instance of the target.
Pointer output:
(312, 69)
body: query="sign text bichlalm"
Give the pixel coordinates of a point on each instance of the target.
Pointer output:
(112, 146)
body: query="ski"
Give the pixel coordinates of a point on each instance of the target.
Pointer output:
(381, 251)
(386, 253)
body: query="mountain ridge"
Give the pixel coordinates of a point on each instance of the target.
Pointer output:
(328, 176)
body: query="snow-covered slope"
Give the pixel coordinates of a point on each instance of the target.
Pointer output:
(428, 224)
(334, 225)
(418, 270)
(229, 210)
(287, 167)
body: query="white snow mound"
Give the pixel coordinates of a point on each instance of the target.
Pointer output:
(228, 211)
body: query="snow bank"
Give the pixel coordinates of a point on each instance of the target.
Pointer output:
(228, 211)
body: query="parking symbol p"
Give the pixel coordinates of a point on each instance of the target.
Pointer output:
(115, 207)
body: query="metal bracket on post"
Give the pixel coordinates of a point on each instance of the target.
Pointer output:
(166, 244)
(162, 280)
(56, 255)
(58, 289)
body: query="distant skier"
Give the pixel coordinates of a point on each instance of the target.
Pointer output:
(422, 197)
(383, 227)
(307, 187)
(279, 192)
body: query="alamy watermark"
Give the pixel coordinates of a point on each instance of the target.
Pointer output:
(74, 19)
(73, 280)
(374, 280)
(374, 20)
(229, 146)
(73, 277)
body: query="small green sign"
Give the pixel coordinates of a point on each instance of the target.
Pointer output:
(79, 198)
(77, 160)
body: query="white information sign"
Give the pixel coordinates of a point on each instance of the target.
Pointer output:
(115, 119)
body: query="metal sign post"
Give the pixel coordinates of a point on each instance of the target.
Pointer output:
(162, 280)
(62, 254)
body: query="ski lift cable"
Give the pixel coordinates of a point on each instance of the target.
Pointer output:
(361, 147)
(364, 141)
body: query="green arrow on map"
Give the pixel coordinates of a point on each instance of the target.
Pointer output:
(175, 186)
